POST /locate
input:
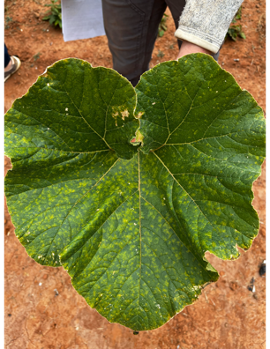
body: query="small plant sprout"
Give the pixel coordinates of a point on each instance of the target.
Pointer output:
(160, 54)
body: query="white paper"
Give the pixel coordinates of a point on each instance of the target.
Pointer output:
(82, 19)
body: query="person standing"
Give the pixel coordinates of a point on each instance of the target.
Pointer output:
(131, 27)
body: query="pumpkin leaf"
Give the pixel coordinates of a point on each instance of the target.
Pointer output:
(131, 222)
(209, 141)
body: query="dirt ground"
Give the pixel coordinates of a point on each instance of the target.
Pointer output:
(42, 310)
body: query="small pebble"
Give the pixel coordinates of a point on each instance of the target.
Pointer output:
(251, 286)
(236, 59)
(262, 269)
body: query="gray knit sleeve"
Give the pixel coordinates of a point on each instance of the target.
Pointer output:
(205, 22)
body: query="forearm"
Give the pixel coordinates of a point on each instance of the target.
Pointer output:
(204, 23)
(188, 48)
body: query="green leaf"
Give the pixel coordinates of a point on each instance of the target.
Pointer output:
(52, 19)
(232, 34)
(55, 11)
(163, 27)
(131, 224)
(242, 35)
(160, 33)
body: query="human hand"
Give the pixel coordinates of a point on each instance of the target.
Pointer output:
(188, 47)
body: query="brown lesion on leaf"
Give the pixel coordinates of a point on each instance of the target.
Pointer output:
(139, 115)
(122, 114)
(138, 139)
(114, 115)
(125, 114)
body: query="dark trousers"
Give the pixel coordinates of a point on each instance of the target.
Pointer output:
(7, 57)
(132, 27)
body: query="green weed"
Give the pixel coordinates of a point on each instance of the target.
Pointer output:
(36, 56)
(162, 25)
(8, 20)
(54, 14)
(160, 54)
(235, 31)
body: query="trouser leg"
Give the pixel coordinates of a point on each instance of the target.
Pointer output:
(7, 56)
(176, 7)
(131, 28)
